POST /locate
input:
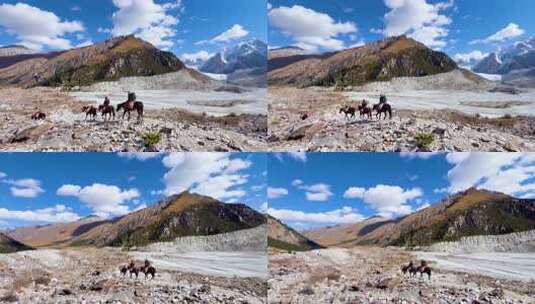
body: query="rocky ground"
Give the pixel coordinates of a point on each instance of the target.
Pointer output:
(309, 120)
(372, 275)
(92, 276)
(65, 128)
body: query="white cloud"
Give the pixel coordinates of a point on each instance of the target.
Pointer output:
(35, 28)
(235, 32)
(510, 173)
(418, 19)
(104, 200)
(141, 156)
(388, 201)
(211, 174)
(58, 213)
(510, 31)
(27, 187)
(343, 215)
(297, 182)
(264, 207)
(354, 192)
(473, 56)
(418, 155)
(310, 29)
(68, 190)
(302, 156)
(147, 20)
(317, 192)
(2, 175)
(275, 193)
(84, 44)
(200, 55)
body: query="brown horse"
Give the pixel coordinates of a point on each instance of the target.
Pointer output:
(90, 111)
(423, 268)
(348, 111)
(365, 111)
(380, 109)
(107, 111)
(129, 106)
(38, 116)
(407, 268)
(134, 269)
(148, 269)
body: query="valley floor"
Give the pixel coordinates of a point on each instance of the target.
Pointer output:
(309, 120)
(65, 128)
(90, 275)
(372, 275)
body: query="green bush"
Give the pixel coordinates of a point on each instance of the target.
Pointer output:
(424, 140)
(150, 140)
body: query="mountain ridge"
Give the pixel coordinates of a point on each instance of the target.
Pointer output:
(377, 61)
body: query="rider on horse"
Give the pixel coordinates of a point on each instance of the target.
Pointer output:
(382, 101)
(106, 101)
(131, 100)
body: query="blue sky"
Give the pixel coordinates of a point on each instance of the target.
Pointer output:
(320, 189)
(455, 26)
(38, 188)
(177, 25)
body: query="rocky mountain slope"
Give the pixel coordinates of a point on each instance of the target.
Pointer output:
(519, 56)
(185, 214)
(53, 234)
(341, 234)
(280, 236)
(9, 245)
(512, 242)
(253, 239)
(377, 61)
(468, 213)
(14, 50)
(281, 57)
(111, 60)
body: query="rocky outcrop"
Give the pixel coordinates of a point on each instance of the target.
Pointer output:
(14, 50)
(9, 245)
(283, 237)
(242, 240)
(512, 242)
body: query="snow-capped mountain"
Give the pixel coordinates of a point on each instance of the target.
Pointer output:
(519, 56)
(246, 55)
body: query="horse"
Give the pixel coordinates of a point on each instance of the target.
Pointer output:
(407, 268)
(365, 111)
(38, 116)
(107, 110)
(90, 111)
(148, 269)
(380, 109)
(348, 111)
(129, 106)
(423, 268)
(133, 269)
(124, 270)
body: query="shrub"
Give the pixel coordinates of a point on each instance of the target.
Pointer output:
(424, 140)
(150, 140)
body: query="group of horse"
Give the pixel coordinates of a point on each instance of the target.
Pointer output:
(412, 269)
(134, 269)
(108, 111)
(366, 111)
